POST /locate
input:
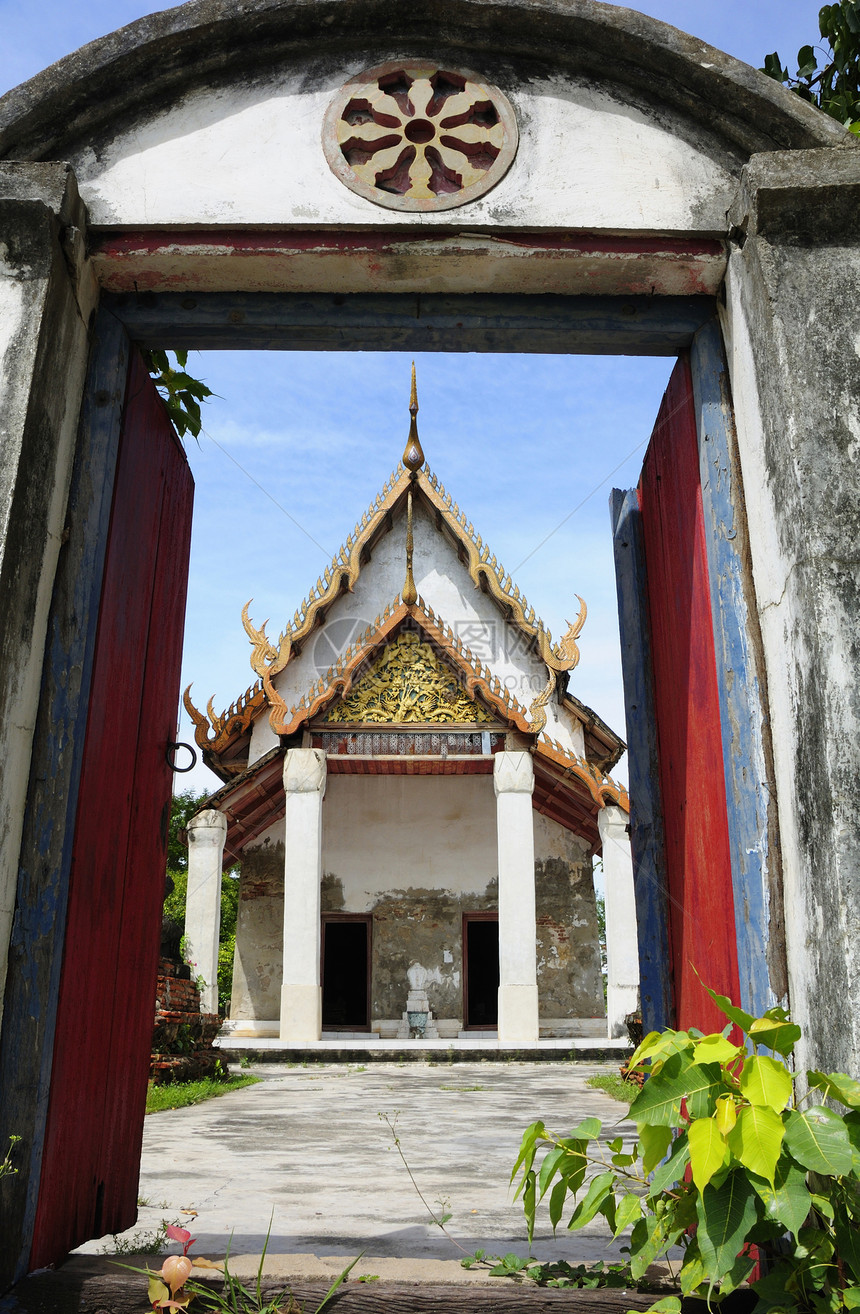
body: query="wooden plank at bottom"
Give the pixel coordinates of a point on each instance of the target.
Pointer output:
(86, 1288)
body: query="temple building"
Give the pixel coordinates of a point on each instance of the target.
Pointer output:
(415, 798)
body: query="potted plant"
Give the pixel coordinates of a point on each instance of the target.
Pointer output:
(737, 1163)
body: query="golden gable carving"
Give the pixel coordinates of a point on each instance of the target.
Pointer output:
(409, 684)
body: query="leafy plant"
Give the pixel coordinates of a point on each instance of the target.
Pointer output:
(171, 1287)
(444, 1216)
(828, 78)
(7, 1168)
(587, 1277)
(181, 392)
(730, 1165)
(141, 1243)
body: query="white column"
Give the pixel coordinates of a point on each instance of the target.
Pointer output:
(301, 992)
(513, 780)
(207, 833)
(622, 944)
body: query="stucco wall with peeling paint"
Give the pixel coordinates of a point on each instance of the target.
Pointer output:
(417, 853)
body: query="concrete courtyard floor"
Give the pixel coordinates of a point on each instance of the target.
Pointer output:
(307, 1148)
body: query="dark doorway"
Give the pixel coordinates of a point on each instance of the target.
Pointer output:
(345, 973)
(480, 971)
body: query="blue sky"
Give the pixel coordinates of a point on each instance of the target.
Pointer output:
(529, 446)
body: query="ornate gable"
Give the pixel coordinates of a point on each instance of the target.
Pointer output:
(419, 683)
(408, 685)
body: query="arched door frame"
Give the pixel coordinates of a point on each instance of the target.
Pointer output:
(608, 324)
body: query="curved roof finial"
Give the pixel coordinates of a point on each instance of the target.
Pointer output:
(413, 454)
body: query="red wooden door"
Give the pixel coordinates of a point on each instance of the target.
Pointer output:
(91, 1157)
(687, 712)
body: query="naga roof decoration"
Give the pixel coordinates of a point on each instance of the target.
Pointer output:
(603, 789)
(229, 724)
(338, 680)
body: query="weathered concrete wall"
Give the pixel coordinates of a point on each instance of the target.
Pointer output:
(635, 166)
(417, 853)
(568, 950)
(793, 333)
(258, 965)
(43, 354)
(424, 926)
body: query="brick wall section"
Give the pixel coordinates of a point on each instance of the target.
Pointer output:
(182, 1036)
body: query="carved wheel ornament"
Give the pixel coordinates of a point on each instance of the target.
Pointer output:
(417, 137)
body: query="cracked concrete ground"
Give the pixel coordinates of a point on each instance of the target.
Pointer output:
(307, 1148)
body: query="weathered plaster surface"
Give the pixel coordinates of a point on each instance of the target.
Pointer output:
(251, 154)
(258, 966)
(568, 952)
(390, 834)
(42, 337)
(444, 583)
(793, 329)
(418, 852)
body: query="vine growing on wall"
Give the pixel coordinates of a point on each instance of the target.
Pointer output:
(180, 391)
(828, 78)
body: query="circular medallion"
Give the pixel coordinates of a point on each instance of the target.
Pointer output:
(417, 137)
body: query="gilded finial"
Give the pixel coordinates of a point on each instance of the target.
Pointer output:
(413, 455)
(410, 593)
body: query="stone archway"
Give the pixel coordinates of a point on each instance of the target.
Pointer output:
(200, 201)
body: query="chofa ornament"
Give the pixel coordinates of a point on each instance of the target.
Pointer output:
(418, 137)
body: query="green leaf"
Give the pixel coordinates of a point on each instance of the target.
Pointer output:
(818, 1139)
(725, 1217)
(852, 1126)
(786, 1199)
(556, 1203)
(756, 1139)
(628, 1212)
(715, 1049)
(836, 1086)
(693, 1274)
(806, 62)
(708, 1150)
(702, 1101)
(726, 1114)
(738, 1273)
(651, 1236)
(536, 1131)
(766, 1082)
(668, 1305)
(653, 1142)
(588, 1130)
(775, 1033)
(574, 1165)
(529, 1203)
(598, 1190)
(851, 1297)
(659, 1101)
(548, 1168)
(774, 1287)
(658, 1045)
(736, 1015)
(773, 67)
(847, 1242)
(673, 1169)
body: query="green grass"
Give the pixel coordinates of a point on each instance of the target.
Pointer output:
(610, 1084)
(159, 1098)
